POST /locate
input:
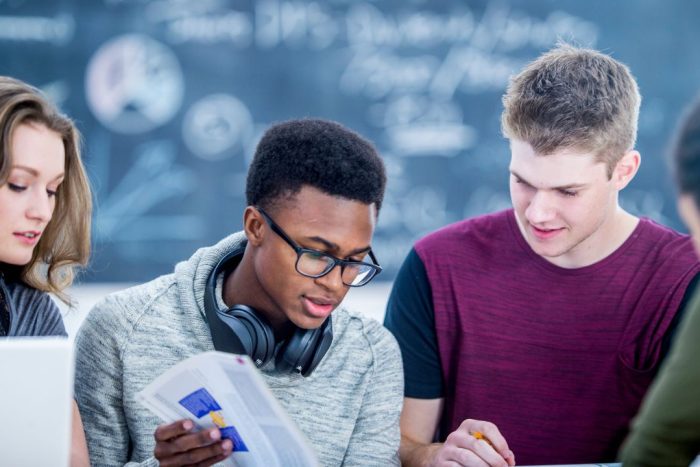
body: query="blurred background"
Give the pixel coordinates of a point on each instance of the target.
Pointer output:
(173, 95)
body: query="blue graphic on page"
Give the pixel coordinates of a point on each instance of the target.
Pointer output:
(231, 433)
(200, 403)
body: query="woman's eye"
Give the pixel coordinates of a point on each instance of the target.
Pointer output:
(15, 187)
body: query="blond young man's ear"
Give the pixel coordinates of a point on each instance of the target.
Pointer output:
(626, 168)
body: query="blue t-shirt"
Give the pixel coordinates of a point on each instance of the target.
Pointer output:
(31, 312)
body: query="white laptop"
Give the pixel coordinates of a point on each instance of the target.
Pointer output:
(36, 390)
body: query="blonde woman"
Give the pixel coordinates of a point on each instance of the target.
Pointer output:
(45, 208)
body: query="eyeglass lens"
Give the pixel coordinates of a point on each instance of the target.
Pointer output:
(318, 264)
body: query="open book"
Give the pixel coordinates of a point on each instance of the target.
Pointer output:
(224, 390)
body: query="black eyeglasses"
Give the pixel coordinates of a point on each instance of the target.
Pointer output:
(315, 263)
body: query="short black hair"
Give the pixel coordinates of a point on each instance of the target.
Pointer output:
(319, 153)
(686, 153)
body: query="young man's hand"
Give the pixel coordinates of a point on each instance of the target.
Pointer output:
(177, 445)
(474, 443)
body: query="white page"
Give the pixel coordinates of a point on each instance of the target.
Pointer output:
(225, 390)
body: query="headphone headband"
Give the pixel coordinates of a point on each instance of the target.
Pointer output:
(221, 334)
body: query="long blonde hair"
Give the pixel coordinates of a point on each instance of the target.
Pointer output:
(65, 243)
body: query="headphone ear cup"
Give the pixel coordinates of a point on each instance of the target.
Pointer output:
(254, 332)
(304, 349)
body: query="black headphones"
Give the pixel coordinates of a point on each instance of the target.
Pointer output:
(242, 330)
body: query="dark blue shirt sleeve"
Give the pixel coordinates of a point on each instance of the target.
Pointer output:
(411, 319)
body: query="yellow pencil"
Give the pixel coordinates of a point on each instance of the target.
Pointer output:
(480, 435)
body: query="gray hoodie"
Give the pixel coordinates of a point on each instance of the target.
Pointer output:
(348, 408)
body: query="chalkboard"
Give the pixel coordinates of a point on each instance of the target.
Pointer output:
(172, 96)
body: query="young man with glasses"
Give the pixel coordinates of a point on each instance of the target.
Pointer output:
(541, 327)
(314, 190)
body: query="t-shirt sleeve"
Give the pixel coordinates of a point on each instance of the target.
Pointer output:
(35, 313)
(410, 317)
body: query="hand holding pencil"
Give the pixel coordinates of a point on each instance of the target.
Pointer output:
(475, 443)
(480, 435)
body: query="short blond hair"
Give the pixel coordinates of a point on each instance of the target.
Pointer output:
(65, 243)
(574, 98)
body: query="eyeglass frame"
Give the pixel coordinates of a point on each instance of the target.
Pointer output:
(299, 250)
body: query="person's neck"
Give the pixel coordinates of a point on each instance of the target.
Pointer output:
(241, 286)
(605, 241)
(10, 271)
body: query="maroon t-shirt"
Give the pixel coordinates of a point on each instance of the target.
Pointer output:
(559, 359)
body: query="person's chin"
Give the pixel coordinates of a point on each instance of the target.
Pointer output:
(17, 260)
(308, 322)
(547, 249)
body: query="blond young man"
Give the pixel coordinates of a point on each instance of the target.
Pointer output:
(542, 326)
